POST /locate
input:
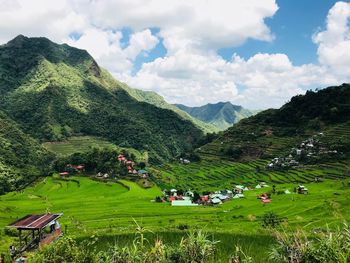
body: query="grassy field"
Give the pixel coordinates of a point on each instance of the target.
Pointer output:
(108, 210)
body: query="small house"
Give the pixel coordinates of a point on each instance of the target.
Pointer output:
(182, 203)
(216, 201)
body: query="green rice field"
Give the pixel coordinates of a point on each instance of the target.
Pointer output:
(108, 210)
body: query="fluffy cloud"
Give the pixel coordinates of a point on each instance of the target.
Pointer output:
(334, 42)
(182, 23)
(55, 20)
(191, 72)
(141, 41)
(262, 81)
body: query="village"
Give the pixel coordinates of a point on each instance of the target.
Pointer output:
(191, 198)
(128, 165)
(308, 150)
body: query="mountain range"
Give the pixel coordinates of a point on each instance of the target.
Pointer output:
(222, 115)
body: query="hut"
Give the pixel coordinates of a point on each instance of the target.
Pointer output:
(35, 225)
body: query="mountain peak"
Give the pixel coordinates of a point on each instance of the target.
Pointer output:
(220, 114)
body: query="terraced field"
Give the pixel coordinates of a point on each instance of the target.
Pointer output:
(210, 174)
(84, 143)
(107, 210)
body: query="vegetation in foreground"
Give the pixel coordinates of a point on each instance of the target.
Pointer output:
(327, 246)
(107, 210)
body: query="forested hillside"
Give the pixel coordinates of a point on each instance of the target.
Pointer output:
(22, 159)
(276, 131)
(56, 91)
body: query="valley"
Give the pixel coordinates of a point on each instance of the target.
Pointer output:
(76, 141)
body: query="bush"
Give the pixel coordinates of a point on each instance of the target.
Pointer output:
(270, 219)
(64, 250)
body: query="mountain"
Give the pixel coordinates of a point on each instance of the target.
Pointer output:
(22, 159)
(55, 91)
(157, 100)
(275, 131)
(222, 115)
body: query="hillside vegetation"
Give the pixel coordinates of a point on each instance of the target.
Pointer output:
(222, 115)
(274, 132)
(22, 159)
(56, 91)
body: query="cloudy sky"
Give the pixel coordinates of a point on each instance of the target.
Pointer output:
(256, 53)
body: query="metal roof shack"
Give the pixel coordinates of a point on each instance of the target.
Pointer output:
(34, 222)
(36, 234)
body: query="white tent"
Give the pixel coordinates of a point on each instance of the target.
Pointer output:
(258, 186)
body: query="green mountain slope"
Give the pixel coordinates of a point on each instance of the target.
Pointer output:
(274, 132)
(22, 158)
(55, 91)
(157, 100)
(222, 115)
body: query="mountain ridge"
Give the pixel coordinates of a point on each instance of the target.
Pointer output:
(222, 114)
(54, 91)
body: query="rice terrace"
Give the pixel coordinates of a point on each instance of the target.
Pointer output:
(174, 131)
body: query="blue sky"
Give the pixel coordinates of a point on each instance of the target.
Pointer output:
(255, 53)
(293, 26)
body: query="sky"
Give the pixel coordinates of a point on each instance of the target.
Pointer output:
(254, 53)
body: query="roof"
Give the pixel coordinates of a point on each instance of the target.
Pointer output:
(142, 172)
(31, 222)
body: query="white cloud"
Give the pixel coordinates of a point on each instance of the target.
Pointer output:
(141, 41)
(202, 24)
(191, 32)
(55, 20)
(265, 80)
(334, 42)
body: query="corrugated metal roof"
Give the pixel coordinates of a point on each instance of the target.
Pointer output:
(35, 221)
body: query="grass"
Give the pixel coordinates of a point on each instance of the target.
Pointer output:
(108, 209)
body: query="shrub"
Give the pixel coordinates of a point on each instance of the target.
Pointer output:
(270, 219)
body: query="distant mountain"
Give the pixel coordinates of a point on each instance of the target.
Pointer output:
(55, 91)
(157, 100)
(274, 132)
(222, 115)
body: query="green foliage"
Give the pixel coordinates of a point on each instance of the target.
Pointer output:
(329, 246)
(276, 131)
(270, 220)
(55, 91)
(22, 159)
(65, 250)
(96, 160)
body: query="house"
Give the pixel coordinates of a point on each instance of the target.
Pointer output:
(216, 201)
(302, 190)
(64, 174)
(182, 203)
(142, 173)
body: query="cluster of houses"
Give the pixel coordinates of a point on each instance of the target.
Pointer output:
(189, 198)
(71, 169)
(309, 148)
(130, 167)
(312, 147)
(129, 164)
